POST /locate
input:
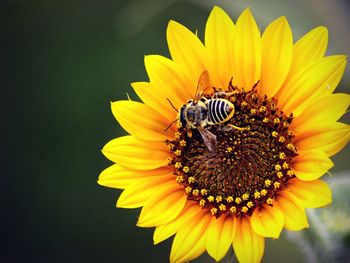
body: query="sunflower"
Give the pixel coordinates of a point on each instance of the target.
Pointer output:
(264, 171)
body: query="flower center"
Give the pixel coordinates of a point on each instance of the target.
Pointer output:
(249, 166)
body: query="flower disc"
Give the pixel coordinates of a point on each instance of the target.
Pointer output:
(250, 165)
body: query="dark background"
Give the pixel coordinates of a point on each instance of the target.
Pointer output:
(61, 63)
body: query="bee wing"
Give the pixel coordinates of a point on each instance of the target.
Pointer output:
(208, 138)
(203, 84)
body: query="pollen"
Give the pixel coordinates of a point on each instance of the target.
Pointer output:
(263, 192)
(204, 191)
(178, 165)
(244, 209)
(262, 109)
(233, 209)
(191, 180)
(269, 201)
(276, 185)
(279, 175)
(281, 139)
(186, 169)
(278, 167)
(195, 192)
(229, 149)
(178, 152)
(267, 183)
(177, 135)
(218, 199)
(170, 160)
(245, 196)
(282, 156)
(257, 195)
(179, 178)
(276, 121)
(170, 146)
(229, 199)
(214, 211)
(222, 207)
(188, 189)
(291, 147)
(251, 162)
(211, 198)
(182, 143)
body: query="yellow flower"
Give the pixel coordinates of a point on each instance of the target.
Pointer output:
(298, 81)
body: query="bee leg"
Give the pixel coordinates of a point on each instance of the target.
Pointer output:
(230, 126)
(220, 94)
(229, 94)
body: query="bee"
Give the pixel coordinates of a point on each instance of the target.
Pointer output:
(200, 112)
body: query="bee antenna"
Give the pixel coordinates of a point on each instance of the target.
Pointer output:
(172, 105)
(170, 125)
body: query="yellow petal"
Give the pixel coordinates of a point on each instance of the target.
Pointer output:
(219, 236)
(327, 137)
(318, 78)
(293, 211)
(132, 153)
(150, 96)
(137, 194)
(268, 221)
(219, 44)
(189, 242)
(310, 194)
(141, 121)
(163, 232)
(162, 208)
(187, 50)
(117, 176)
(310, 47)
(248, 246)
(277, 52)
(168, 80)
(246, 51)
(328, 108)
(311, 165)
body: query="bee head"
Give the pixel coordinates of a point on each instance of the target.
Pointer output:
(193, 113)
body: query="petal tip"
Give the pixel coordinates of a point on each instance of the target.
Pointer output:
(323, 30)
(172, 24)
(120, 203)
(282, 19)
(99, 182)
(216, 9)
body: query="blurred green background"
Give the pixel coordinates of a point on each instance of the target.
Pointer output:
(61, 63)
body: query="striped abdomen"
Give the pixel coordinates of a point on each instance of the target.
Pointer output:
(219, 111)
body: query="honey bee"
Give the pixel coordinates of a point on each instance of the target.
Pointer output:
(200, 112)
